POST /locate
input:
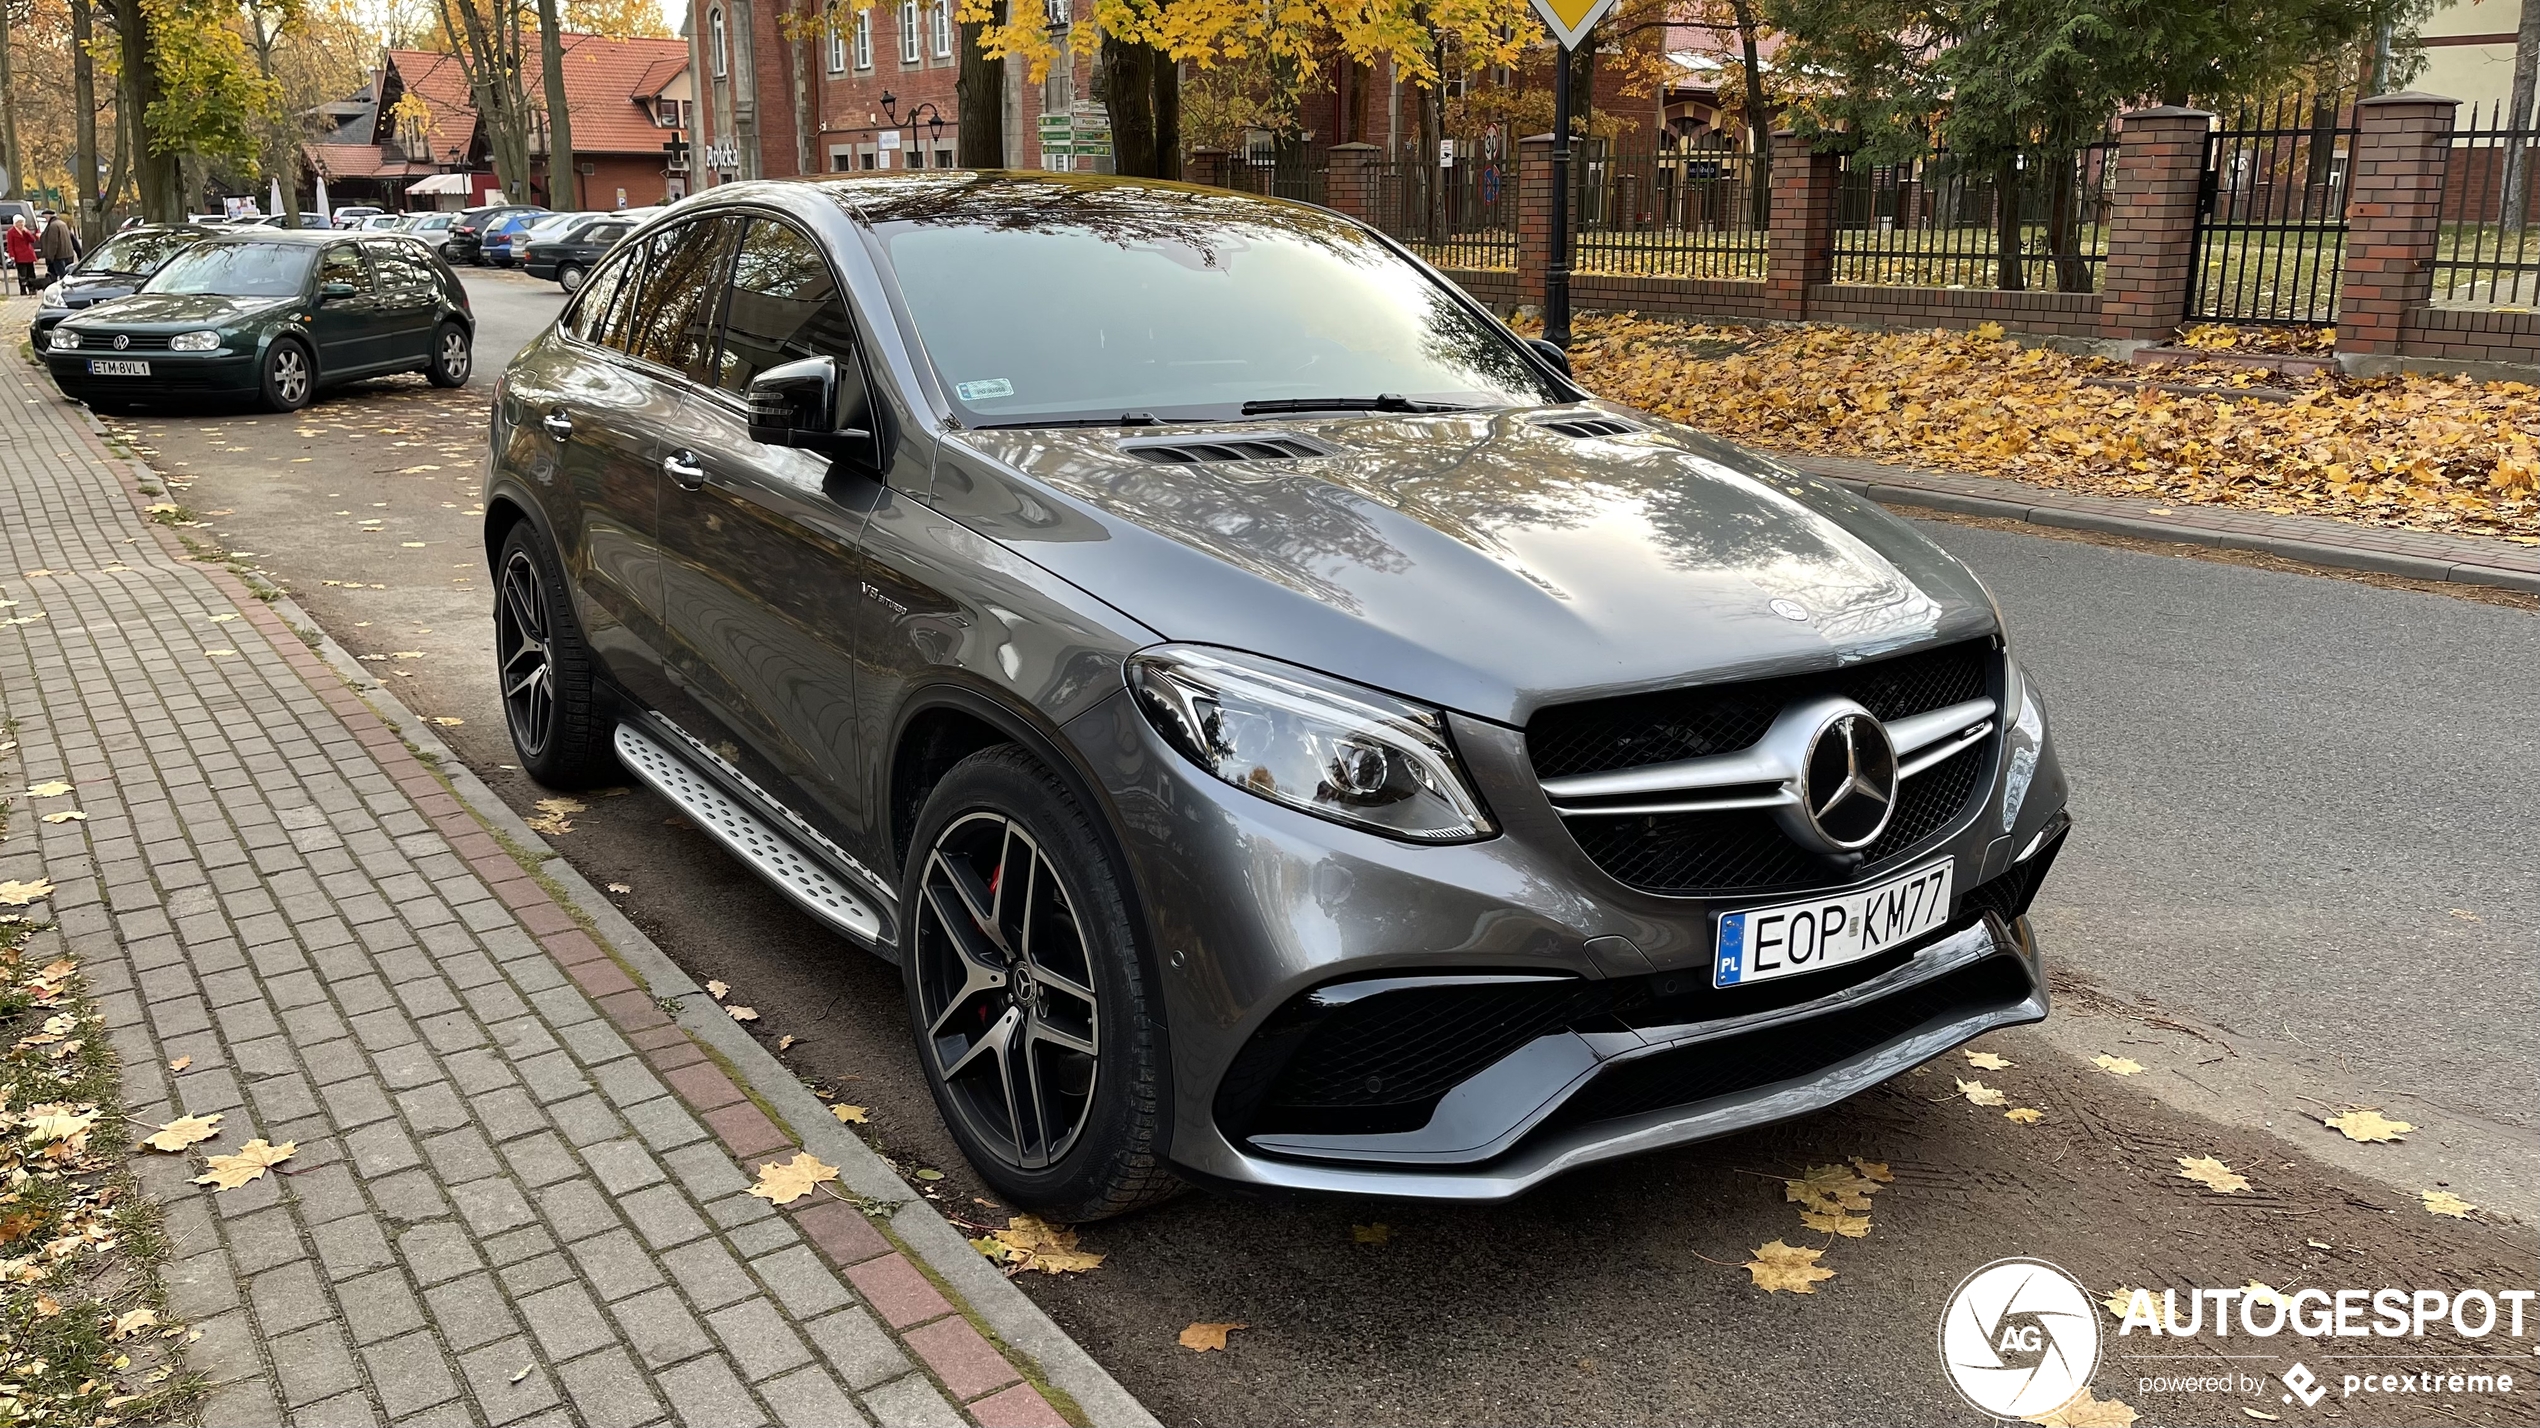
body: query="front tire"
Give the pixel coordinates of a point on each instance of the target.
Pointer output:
(1027, 996)
(563, 724)
(452, 358)
(289, 376)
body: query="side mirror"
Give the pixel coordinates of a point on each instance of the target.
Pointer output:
(817, 404)
(334, 292)
(1550, 352)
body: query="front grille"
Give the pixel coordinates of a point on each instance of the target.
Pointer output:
(1744, 850)
(96, 344)
(1712, 1069)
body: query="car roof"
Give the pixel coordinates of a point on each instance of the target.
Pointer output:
(262, 234)
(1004, 197)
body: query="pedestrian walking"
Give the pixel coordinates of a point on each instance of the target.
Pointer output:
(22, 251)
(60, 247)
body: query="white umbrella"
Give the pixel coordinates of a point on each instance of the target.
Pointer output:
(326, 215)
(277, 197)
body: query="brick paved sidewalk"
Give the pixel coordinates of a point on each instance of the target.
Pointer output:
(2319, 540)
(520, 1189)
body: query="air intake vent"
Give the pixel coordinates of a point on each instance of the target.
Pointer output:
(1186, 451)
(1587, 426)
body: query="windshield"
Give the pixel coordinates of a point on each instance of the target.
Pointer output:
(1090, 303)
(136, 253)
(236, 270)
(546, 228)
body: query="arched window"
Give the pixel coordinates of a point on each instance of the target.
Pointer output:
(715, 42)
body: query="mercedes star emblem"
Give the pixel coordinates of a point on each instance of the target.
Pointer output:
(1790, 610)
(1848, 788)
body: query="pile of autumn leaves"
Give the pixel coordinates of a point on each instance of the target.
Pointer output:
(2419, 452)
(79, 1341)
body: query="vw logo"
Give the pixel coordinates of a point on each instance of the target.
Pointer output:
(1847, 788)
(122, 341)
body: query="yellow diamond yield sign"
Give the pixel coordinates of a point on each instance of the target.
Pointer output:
(1571, 19)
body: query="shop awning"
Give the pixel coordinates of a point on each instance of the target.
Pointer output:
(442, 183)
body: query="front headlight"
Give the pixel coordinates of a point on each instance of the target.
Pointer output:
(65, 340)
(194, 342)
(1316, 744)
(52, 297)
(2027, 739)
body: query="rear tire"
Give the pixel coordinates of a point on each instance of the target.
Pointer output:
(563, 723)
(569, 277)
(289, 376)
(1016, 934)
(451, 358)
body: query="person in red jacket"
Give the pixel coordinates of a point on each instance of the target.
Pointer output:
(22, 251)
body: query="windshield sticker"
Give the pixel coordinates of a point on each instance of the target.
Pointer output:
(981, 391)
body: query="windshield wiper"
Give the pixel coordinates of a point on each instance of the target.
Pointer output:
(1124, 419)
(1383, 402)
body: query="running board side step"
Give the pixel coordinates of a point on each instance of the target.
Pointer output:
(750, 838)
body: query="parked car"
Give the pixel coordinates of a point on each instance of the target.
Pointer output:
(384, 223)
(430, 229)
(495, 243)
(282, 220)
(112, 269)
(275, 315)
(565, 252)
(18, 208)
(1301, 741)
(352, 216)
(467, 236)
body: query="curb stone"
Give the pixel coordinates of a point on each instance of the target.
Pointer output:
(920, 1230)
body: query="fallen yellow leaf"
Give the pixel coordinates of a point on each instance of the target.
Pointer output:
(716, 989)
(1831, 1187)
(68, 815)
(228, 1172)
(177, 1134)
(2444, 1202)
(51, 788)
(1980, 1093)
(180, 1063)
(17, 894)
(2118, 1065)
(851, 1115)
(1851, 1227)
(742, 1013)
(132, 1322)
(1201, 1338)
(2025, 1115)
(1778, 1266)
(2205, 1170)
(2367, 1125)
(792, 1180)
(1375, 1234)
(1987, 1061)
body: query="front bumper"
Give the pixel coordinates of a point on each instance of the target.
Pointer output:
(223, 371)
(1595, 1032)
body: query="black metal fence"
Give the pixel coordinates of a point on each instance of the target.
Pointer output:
(1299, 173)
(1939, 222)
(1677, 213)
(2271, 219)
(2487, 250)
(1462, 215)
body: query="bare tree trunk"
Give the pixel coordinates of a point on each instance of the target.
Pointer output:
(2006, 226)
(281, 141)
(559, 112)
(2517, 209)
(92, 224)
(9, 156)
(162, 190)
(979, 102)
(1168, 116)
(1124, 80)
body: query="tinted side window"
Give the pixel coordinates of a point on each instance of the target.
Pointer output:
(590, 320)
(784, 306)
(341, 264)
(684, 274)
(611, 310)
(602, 234)
(400, 268)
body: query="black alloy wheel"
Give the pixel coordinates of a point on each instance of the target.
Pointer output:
(1012, 1017)
(1029, 994)
(562, 721)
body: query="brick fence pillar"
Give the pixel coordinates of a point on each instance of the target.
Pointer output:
(1205, 166)
(1799, 246)
(2144, 285)
(1349, 184)
(2394, 209)
(1534, 215)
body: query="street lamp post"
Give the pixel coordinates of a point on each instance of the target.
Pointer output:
(933, 118)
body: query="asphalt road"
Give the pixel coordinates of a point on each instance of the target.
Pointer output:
(2287, 786)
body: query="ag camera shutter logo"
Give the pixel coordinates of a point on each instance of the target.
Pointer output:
(2019, 1338)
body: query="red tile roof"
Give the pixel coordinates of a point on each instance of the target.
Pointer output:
(608, 86)
(358, 161)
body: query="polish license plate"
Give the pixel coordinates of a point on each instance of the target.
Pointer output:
(117, 367)
(1760, 943)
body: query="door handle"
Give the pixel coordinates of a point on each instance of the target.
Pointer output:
(684, 468)
(558, 425)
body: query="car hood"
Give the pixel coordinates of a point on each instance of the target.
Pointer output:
(174, 309)
(81, 289)
(1486, 564)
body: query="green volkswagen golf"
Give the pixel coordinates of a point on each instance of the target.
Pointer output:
(273, 314)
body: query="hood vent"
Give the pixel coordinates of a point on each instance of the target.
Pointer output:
(1185, 451)
(1589, 425)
